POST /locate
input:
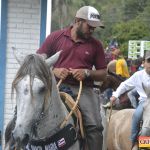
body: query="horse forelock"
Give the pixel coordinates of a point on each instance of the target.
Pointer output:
(34, 66)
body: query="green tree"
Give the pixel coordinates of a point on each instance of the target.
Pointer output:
(123, 19)
(132, 30)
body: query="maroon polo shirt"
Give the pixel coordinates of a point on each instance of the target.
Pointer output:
(74, 55)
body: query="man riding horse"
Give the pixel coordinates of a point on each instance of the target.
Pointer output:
(139, 81)
(80, 52)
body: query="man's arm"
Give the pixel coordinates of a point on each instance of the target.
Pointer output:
(98, 75)
(81, 74)
(123, 87)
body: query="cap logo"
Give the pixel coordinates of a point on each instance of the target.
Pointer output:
(94, 16)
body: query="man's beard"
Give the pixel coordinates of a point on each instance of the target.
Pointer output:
(80, 34)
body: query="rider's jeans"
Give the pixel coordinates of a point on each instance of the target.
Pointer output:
(132, 96)
(137, 116)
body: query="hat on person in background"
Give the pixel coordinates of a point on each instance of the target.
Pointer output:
(117, 52)
(147, 55)
(90, 14)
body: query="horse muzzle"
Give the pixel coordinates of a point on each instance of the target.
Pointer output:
(20, 139)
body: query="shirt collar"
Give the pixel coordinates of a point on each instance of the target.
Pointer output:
(68, 32)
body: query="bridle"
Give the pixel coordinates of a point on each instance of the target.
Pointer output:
(42, 115)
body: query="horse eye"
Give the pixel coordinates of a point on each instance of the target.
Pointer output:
(42, 89)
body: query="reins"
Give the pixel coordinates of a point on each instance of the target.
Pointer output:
(58, 84)
(74, 107)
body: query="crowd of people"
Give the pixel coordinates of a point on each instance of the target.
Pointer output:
(139, 81)
(136, 74)
(80, 52)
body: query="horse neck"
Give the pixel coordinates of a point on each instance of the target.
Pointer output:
(114, 82)
(55, 114)
(110, 82)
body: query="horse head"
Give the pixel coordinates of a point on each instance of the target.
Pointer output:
(33, 90)
(111, 81)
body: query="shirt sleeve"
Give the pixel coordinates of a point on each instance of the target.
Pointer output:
(125, 86)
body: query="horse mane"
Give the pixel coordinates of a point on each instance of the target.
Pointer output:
(8, 131)
(112, 80)
(34, 66)
(116, 76)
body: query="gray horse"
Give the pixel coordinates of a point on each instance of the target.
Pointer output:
(40, 110)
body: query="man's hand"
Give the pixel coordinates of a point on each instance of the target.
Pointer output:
(78, 74)
(112, 100)
(61, 73)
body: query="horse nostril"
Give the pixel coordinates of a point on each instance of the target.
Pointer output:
(20, 142)
(12, 135)
(15, 137)
(25, 139)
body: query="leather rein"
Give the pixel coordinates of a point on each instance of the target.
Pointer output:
(74, 107)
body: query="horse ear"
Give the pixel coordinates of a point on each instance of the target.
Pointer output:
(19, 56)
(52, 60)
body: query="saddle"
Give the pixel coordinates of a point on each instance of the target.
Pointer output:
(69, 101)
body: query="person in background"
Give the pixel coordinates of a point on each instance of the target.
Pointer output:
(111, 68)
(139, 81)
(80, 52)
(141, 64)
(121, 64)
(137, 64)
(108, 55)
(119, 67)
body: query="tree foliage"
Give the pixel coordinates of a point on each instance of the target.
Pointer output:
(124, 19)
(132, 30)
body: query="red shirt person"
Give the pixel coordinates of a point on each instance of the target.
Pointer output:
(76, 55)
(80, 52)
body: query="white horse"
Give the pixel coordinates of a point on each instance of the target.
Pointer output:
(119, 128)
(40, 110)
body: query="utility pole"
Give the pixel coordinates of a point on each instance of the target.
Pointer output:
(48, 17)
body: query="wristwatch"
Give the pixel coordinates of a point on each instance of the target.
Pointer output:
(87, 73)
